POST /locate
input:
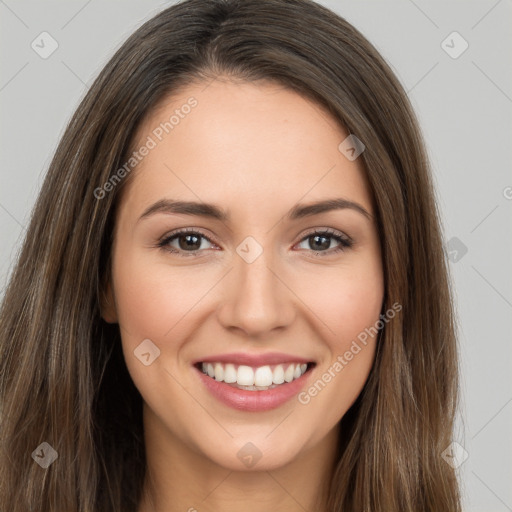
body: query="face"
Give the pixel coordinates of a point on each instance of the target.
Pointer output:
(257, 288)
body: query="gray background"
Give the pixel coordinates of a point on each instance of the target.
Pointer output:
(464, 105)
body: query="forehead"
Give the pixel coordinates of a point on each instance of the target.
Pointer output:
(237, 143)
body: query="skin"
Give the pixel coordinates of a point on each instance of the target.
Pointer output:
(255, 150)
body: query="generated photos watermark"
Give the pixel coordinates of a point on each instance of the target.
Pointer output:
(304, 397)
(157, 135)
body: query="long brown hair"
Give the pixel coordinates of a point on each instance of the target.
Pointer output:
(63, 379)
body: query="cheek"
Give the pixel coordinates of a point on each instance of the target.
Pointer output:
(152, 301)
(153, 298)
(347, 300)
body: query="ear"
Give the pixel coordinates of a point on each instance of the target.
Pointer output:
(107, 304)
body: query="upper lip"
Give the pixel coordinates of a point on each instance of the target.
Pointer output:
(254, 360)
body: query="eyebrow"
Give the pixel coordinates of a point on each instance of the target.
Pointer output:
(213, 211)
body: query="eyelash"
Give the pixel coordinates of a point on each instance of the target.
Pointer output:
(345, 242)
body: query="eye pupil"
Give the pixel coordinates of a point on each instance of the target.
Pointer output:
(196, 244)
(324, 245)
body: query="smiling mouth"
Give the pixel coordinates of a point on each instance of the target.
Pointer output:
(251, 378)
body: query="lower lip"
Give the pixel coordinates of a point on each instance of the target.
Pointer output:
(253, 401)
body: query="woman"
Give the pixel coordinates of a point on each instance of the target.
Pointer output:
(233, 289)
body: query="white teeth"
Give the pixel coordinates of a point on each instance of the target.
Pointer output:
(245, 376)
(278, 375)
(288, 374)
(219, 372)
(263, 376)
(229, 374)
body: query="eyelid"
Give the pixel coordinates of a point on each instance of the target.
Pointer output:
(330, 231)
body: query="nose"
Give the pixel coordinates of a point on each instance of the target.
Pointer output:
(257, 299)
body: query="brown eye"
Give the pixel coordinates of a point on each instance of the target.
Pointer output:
(320, 242)
(184, 242)
(188, 241)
